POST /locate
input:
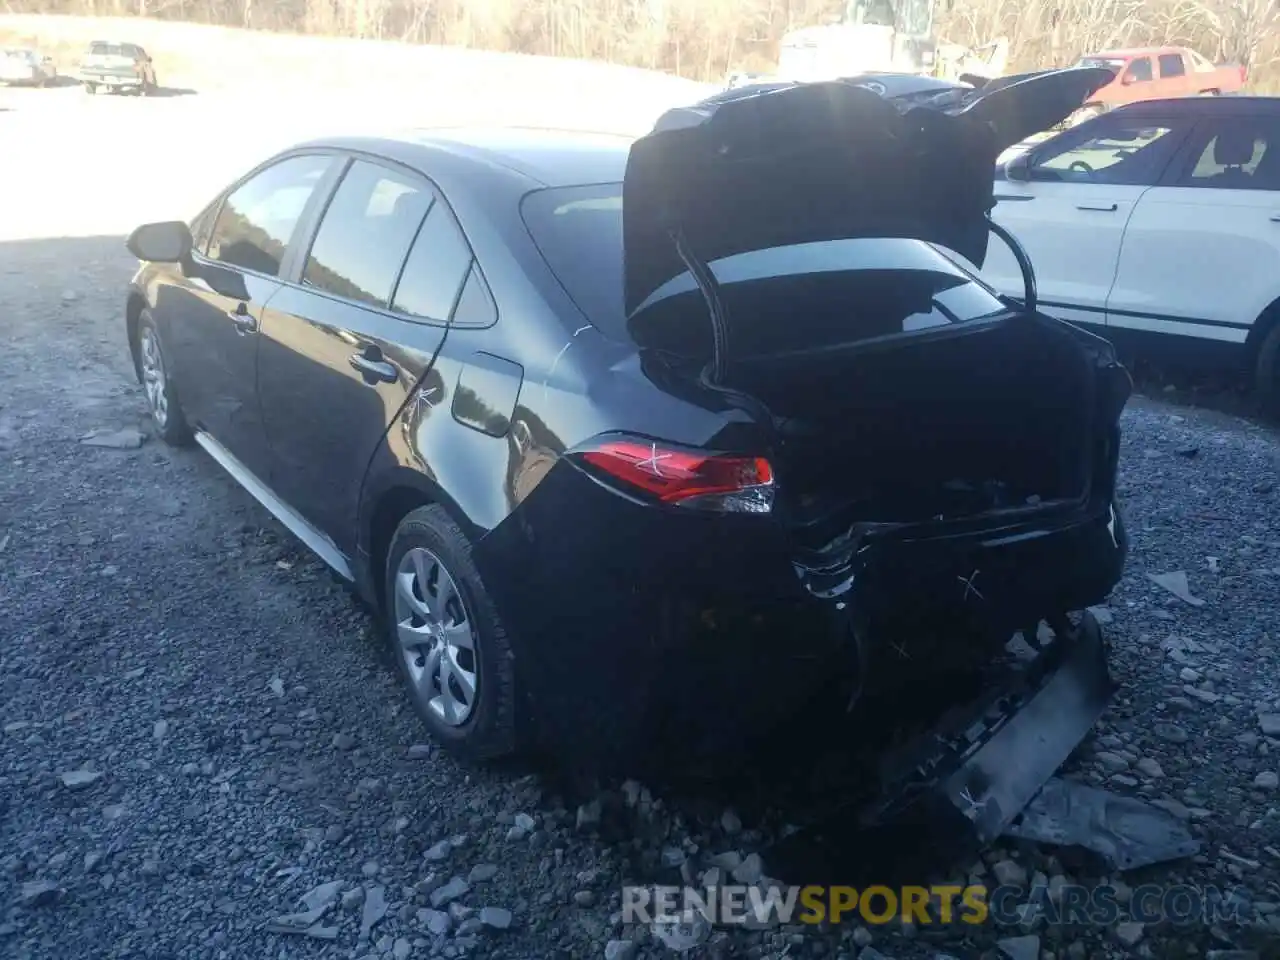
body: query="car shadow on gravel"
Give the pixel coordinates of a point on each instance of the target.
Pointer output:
(1225, 392)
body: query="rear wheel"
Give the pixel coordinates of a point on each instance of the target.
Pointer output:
(1267, 373)
(166, 412)
(91, 88)
(447, 640)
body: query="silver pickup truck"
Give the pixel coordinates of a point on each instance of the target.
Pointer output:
(109, 65)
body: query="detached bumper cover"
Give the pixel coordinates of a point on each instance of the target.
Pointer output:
(961, 785)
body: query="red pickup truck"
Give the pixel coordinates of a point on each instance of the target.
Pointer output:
(1153, 73)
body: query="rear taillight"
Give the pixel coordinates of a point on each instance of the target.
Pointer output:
(722, 482)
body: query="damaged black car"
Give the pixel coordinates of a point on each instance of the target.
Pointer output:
(641, 447)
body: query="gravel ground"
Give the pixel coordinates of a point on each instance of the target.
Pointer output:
(199, 727)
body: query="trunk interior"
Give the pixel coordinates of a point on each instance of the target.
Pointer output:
(889, 411)
(940, 425)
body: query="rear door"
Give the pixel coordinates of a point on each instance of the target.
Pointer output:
(1070, 216)
(348, 341)
(1201, 256)
(212, 312)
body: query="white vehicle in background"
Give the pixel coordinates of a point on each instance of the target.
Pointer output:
(879, 36)
(24, 65)
(1157, 225)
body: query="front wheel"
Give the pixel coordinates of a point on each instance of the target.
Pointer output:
(162, 399)
(91, 88)
(1267, 373)
(447, 640)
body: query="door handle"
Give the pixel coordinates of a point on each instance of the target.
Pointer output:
(1275, 218)
(244, 323)
(374, 370)
(1012, 198)
(1101, 207)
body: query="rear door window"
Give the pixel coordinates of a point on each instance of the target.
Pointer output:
(1242, 153)
(366, 232)
(258, 219)
(1171, 65)
(436, 271)
(1139, 69)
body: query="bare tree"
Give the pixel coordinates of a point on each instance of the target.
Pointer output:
(705, 39)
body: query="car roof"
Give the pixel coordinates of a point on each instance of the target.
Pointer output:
(1202, 106)
(1126, 52)
(544, 157)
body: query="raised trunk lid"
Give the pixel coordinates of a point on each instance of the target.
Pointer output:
(826, 161)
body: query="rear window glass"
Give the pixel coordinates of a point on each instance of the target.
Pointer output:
(579, 232)
(112, 50)
(1111, 63)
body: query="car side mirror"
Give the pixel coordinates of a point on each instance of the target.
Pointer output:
(1128, 79)
(1018, 168)
(166, 242)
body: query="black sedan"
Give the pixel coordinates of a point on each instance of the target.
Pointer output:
(646, 475)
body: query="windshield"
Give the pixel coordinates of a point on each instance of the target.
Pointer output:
(578, 230)
(110, 50)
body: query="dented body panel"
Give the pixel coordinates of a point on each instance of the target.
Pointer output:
(962, 783)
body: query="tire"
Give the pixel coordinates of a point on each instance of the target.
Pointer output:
(429, 546)
(1267, 373)
(91, 88)
(162, 400)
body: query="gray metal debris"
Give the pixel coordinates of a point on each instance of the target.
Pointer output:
(1176, 583)
(1128, 832)
(322, 895)
(305, 923)
(1020, 948)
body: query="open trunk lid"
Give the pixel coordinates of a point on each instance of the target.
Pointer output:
(782, 256)
(752, 170)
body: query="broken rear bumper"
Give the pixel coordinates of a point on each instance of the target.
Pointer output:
(959, 786)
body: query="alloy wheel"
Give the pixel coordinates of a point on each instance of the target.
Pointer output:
(153, 376)
(436, 636)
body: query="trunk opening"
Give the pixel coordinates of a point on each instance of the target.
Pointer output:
(937, 426)
(894, 387)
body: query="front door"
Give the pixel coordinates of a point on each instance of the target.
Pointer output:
(1071, 212)
(346, 346)
(1137, 82)
(212, 320)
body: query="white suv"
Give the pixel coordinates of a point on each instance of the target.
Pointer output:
(1158, 225)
